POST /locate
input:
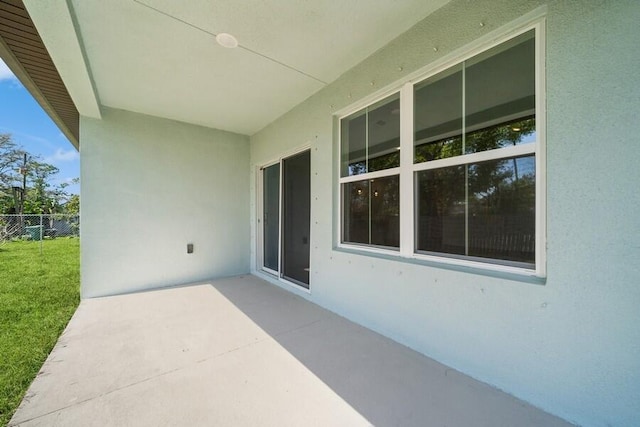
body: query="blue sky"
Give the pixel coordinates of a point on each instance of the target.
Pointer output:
(31, 127)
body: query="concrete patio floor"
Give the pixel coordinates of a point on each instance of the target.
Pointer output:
(240, 352)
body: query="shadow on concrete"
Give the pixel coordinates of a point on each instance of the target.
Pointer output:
(387, 383)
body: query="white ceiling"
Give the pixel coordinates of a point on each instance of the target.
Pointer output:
(159, 57)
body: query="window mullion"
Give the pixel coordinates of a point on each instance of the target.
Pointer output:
(366, 163)
(407, 234)
(464, 109)
(466, 209)
(466, 167)
(370, 220)
(366, 140)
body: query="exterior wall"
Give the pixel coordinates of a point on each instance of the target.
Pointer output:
(149, 187)
(571, 345)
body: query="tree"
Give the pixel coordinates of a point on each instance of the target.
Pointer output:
(10, 156)
(42, 196)
(72, 207)
(33, 177)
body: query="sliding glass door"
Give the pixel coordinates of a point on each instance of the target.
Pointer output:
(286, 199)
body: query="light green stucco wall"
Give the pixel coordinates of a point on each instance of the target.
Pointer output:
(149, 187)
(572, 345)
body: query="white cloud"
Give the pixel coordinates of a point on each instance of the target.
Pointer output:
(34, 138)
(5, 72)
(62, 155)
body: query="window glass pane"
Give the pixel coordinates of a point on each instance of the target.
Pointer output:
(500, 96)
(438, 116)
(385, 211)
(371, 212)
(502, 209)
(384, 134)
(441, 210)
(296, 217)
(271, 219)
(494, 218)
(356, 212)
(370, 138)
(353, 140)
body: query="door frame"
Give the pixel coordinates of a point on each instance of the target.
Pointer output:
(260, 217)
(278, 275)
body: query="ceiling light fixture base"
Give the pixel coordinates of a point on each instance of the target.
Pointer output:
(227, 40)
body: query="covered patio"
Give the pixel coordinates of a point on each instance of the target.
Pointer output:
(239, 351)
(465, 177)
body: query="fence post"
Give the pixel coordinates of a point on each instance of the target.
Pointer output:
(41, 234)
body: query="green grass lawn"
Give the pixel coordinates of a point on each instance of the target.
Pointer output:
(38, 295)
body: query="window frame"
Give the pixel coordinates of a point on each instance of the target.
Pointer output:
(366, 176)
(407, 171)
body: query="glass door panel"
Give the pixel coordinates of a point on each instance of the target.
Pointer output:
(296, 212)
(271, 216)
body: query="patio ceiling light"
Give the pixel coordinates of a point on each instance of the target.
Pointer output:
(227, 40)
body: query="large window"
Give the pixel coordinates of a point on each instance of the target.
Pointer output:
(449, 168)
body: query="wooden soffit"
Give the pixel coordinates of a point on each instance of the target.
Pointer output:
(23, 51)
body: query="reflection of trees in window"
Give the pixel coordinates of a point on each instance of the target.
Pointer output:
(441, 149)
(370, 138)
(385, 161)
(483, 209)
(495, 219)
(357, 168)
(502, 209)
(502, 135)
(496, 185)
(382, 162)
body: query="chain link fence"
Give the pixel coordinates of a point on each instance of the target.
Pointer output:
(37, 228)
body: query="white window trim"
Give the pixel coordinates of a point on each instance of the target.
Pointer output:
(534, 20)
(370, 175)
(364, 177)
